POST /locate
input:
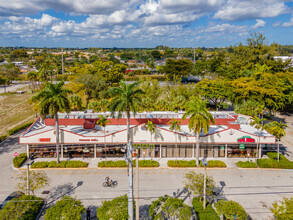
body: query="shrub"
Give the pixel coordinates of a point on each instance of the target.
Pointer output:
(62, 164)
(230, 209)
(181, 163)
(214, 163)
(19, 160)
(146, 163)
(204, 214)
(272, 162)
(25, 210)
(274, 156)
(111, 163)
(246, 164)
(19, 128)
(2, 138)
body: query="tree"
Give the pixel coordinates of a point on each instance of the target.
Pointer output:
(278, 130)
(195, 182)
(167, 207)
(230, 209)
(103, 122)
(116, 209)
(257, 123)
(199, 120)
(283, 210)
(51, 100)
(177, 68)
(4, 82)
(66, 209)
(37, 180)
(126, 98)
(175, 126)
(151, 127)
(75, 102)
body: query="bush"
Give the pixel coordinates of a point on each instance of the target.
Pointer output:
(19, 160)
(246, 164)
(214, 163)
(230, 209)
(204, 214)
(181, 163)
(274, 156)
(111, 163)
(2, 138)
(19, 128)
(273, 162)
(146, 163)
(62, 164)
(22, 210)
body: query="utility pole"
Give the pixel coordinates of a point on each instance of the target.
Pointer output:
(62, 63)
(204, 187)
(130, 181)
(137, 187)
(193, 55)
(28, 179)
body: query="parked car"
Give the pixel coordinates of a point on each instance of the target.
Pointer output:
(16, 194)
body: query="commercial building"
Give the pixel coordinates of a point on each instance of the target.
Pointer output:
(231, 136)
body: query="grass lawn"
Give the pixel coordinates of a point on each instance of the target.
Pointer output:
(15, 110)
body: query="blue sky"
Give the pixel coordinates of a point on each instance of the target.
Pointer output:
(143, 23)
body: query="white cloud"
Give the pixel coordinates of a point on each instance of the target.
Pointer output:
(289, 23)
(251, 9)
(259, 23)
(226, 28)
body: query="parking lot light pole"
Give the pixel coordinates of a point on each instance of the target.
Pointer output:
(204, 163)
(28, 178)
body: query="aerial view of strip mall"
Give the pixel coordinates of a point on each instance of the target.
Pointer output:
(146, 110)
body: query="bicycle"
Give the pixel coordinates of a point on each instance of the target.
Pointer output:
(112, 184)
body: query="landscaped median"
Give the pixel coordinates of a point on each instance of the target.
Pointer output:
(272, 162)
(122, 163)
(62, 164)
(192, 163)
(19, 160)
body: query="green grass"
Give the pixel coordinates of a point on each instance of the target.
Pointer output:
(272, 162)
(246, 164)
(181, 163)
(214, 163)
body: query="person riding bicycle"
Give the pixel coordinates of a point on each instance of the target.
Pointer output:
(108, 180)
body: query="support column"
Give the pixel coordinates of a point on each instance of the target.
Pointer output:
(160, 150)
(192, 150)
(95, 151)
(27, 151)
(259, 153)
(61, 151)
(226, 150)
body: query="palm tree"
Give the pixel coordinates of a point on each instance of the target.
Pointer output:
(103, 122)
(75, 102)
(175, 127)
(258, 124)
(199, 120)
(151, 127)
(51, 100)
(126, 98)
(278, 130)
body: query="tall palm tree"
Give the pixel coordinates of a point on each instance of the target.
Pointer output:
(125, 99)
(51, 100)
(175, 126)
(278, 130)
(199, 120)
(103, 122)
(75, 102)
(151, 127)
(258, 124)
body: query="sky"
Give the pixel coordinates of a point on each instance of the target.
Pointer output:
(143, 23)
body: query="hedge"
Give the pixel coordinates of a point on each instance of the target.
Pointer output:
(272, 162)
(230, 210)
(2, 138)
(181, 163)
(19, 128)
(111, 163)
(214, 163)
(62, 164)
(146, 163)
(19, 160)
(204, 214)
(246, 164)
(22, 210)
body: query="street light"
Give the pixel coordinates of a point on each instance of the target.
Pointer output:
(204, 163)
(29, 162)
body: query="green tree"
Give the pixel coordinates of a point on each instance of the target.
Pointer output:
(37, 180)
(230, 209)
(195, 181)
(67, 208)
(75, 102)
(199, 120)
(116, 209)
(175, 126)
(169, 208)
(283, 210)
(177, 68)
(278, 130)
(51, 100)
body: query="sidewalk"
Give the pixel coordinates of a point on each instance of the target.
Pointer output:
(93, 162)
